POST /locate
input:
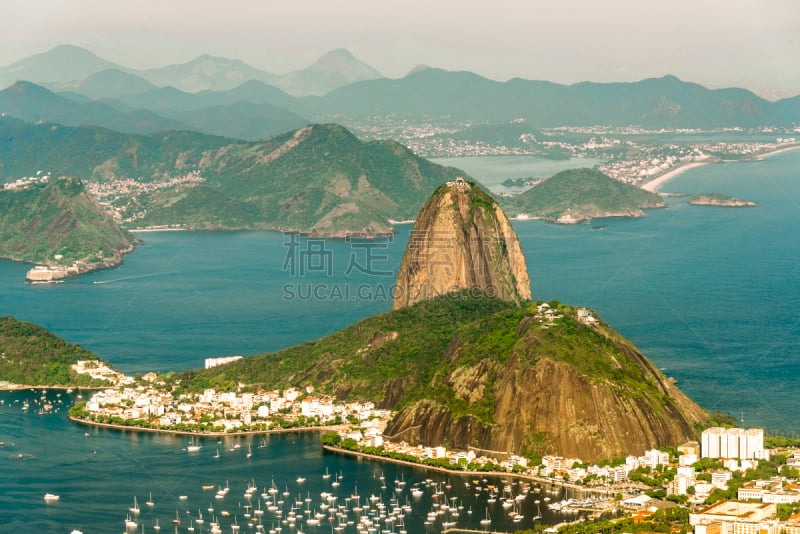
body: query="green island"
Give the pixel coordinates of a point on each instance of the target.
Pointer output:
(720, 200)
(30, 356)
(579, 195)
(56, 223)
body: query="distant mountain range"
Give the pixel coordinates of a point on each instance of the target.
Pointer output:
(655, 102)
(220, 114)
(75, 69)
(354, 91)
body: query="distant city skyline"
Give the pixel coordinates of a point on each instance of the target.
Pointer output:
(717, 43)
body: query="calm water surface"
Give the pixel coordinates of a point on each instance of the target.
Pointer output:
(711, 295)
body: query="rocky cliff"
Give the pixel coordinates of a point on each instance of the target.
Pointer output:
(565, 385)
(462, 240)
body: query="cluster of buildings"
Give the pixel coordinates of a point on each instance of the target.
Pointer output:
(222, 411)
(122, 198)
(98, 370)
(27, 181)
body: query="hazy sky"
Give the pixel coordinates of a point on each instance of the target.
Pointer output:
(745, 43)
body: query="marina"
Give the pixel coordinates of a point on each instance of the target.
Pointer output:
(281, 482)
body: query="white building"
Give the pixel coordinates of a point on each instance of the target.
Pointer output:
(213, 362)
(733, 443)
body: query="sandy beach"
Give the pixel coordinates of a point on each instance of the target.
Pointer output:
(653, 185)
(779, 151)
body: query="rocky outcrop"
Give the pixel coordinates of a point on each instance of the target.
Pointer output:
(540, 403)
(462, 240)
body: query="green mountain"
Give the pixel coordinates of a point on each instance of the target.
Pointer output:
(581, 194)
(57, 224)
(242, 120)
(171, 100)
(320, 179)
(33, 103)
(464, 96)
(32, 356)
(468, 371)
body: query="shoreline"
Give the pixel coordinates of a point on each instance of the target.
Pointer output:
(653, 185)
(20, 387)
(534, 478)
(760, 157)
(135, 428)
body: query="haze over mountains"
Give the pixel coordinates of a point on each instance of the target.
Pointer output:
(71, 68)
(227, 97)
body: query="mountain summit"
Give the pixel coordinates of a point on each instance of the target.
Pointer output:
(462, 240)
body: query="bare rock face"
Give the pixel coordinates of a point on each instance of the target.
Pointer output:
(462, 240)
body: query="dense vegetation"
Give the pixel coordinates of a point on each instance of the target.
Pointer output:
(414, 353)
(31, 355)
(320, 179)
(404, 344)
(580, 194)
(58, 218)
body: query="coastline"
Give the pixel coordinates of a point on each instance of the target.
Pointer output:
(653, 185)
(759, 157)
(135, 428)
(532, 478)
(18, 387)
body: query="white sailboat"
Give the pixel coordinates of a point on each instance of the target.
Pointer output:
(149, 501)
(485, 522)
(135, 508)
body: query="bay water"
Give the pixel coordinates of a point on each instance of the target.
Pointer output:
(711, 295)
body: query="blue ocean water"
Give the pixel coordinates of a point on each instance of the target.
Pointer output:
(711, 295)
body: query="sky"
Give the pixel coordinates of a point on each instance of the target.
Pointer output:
(718, 43)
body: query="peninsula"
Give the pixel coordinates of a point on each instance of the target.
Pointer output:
(30, 356)
(59, 225)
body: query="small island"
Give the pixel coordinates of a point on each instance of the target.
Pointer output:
(720, 200)
(578, 196)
